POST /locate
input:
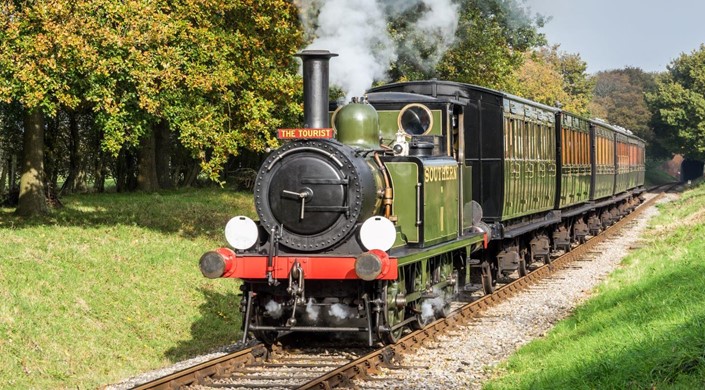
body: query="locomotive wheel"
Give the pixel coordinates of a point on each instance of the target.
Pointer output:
(421, 322)
(267, 337)
(546, 259)
(393, 315)
(487, 285)
(445, 272)
(522, 268)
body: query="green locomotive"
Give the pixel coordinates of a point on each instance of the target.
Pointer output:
(374, 214)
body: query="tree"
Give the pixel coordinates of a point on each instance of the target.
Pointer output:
(490, 39)
(678, 106)
(217, 74)
(482, 56)
(553, 77)
(618, 97)
(221, 74)
(38, 69)
(540, 81)
(11, 125)
(80, 150)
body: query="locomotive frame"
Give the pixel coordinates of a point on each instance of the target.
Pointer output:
(430, 188)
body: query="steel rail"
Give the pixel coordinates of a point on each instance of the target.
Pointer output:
(202, 373)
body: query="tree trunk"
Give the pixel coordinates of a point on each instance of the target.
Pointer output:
(32, 200)
(125, 168)
(192, 174)
(12, 182)
(99, 168)
(147, 166)
(120, 171)
(162, 142)
(99, 173)
(76, 180)
(3, 177)
(51, 175)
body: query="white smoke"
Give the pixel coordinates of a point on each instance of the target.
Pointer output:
(440, 23)
(312, 310)
(434, 31)
(357, 31)
(274, 309)
(342, 312)
(429, 308)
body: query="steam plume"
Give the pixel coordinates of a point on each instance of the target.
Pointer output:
(274, 309)
(340, 311)
(312, 310)
(430, 306)
(357, 30)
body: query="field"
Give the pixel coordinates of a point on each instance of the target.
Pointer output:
(109, 287)
(646, 326)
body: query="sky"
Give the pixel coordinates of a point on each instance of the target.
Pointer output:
(613, 34)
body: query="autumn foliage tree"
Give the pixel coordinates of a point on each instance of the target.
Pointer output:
(215, 75)
(39, 65)
(553, 77)
(220, 74)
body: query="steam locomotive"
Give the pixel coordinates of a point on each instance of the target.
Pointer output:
(418, 190)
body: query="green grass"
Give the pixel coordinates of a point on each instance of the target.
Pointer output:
(109, 287)
(646, 326)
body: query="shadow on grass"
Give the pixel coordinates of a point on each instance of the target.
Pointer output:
(189, 212)
(219, 324)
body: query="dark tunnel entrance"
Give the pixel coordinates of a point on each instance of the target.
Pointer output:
(691, 169)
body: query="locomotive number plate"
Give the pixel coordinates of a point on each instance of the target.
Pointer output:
(305, 133)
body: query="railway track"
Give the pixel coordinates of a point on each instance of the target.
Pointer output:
(325, 368)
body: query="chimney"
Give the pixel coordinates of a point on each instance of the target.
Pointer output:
(316, 87)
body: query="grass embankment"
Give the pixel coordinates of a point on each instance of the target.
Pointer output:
(109, 287)
(646, 326)
(655, 175)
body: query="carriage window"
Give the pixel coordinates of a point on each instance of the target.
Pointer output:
(544, 141)
(518, 145)
(508, 138)
(598, 148)
(563, 145)
(530, 139)
(525, 140)
(581, 148)
(601, 150)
